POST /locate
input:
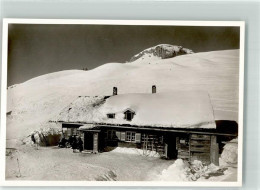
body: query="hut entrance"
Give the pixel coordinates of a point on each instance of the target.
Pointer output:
(88, 141)
(171, 152)
(90, 137)
(91, 141)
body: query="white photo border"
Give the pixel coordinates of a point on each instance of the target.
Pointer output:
(7, 21)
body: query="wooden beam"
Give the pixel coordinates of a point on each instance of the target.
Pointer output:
(200, 149)
(166, 150)
(156, 129)
(95, 142)
(168, 130)
(200, 142)
(83, 140)
(214, 151)
(89, 130)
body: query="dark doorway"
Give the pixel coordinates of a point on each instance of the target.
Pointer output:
(88, 141)
(171, 142)
(227, 127)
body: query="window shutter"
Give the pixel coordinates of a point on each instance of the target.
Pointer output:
(118, 134)
(81, 134)
(69, 131)
(138, 137)
(122, 136)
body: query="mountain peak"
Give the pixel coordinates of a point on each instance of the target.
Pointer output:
(162, 51)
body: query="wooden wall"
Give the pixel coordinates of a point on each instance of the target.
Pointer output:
(198, 147)
(143, 140)
(171, 145)
(153, 142)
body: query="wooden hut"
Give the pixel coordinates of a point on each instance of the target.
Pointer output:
(177, 124)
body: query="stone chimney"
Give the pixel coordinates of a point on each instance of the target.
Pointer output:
(114, 91)
(153, 89)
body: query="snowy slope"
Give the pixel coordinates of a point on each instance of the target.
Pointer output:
(35, 101)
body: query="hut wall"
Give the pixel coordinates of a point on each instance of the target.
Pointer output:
(182, 146)
(135, 139)
(70, 129)
(198, 147)
(153, 142)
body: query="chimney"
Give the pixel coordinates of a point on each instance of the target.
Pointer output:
(153, 89)
(114, 91)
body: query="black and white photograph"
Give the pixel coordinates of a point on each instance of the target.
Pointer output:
(119, 101)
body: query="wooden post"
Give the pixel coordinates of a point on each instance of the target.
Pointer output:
(166, 150)
(214, 150)
(152, 143)
(146, 143)
(189, 147)
(83, 140)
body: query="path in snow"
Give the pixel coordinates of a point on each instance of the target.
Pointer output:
(61, 164)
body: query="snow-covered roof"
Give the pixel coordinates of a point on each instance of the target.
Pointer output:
(180, 109)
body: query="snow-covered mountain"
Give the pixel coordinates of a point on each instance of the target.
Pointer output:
(34, 102)
(161, 51)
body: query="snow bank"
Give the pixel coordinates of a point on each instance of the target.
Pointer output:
(136, 151)
(183, 171)
(229, 154)
(176, 172)
(44, 137)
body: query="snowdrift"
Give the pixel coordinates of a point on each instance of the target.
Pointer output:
(181, 170)
(44, 137)
(229, 155)
(136, 151)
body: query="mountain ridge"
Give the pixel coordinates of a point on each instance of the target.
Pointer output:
(162, 51)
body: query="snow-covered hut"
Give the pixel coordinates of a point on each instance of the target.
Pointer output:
(175, 124)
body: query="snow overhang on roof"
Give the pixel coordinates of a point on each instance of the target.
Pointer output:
(177, 109)
(87, 126)
(128, 110)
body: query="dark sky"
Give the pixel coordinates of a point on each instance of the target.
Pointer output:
(34, 50)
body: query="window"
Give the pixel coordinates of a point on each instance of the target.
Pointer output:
(129, 114)
(67, 132)
(184, 141)
(111, 116)
(130, 136)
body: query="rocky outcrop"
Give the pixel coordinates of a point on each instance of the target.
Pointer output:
(163, 51)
